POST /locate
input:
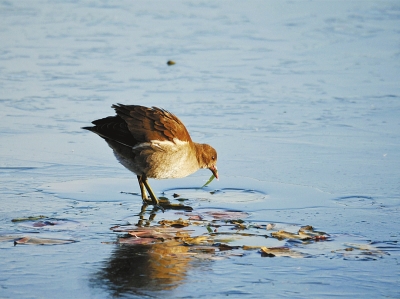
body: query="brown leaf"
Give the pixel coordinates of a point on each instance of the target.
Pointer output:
(175, 223)
(246, 247)
(195, 217)
(308, 230)
(280, 251)
(280, 235)
(227, 215)
(164, 233)
(41, 241)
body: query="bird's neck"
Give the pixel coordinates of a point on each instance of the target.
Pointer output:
(199, 149)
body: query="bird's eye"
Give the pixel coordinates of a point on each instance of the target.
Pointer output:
(213, 157)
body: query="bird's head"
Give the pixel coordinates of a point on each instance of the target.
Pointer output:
(207, 157)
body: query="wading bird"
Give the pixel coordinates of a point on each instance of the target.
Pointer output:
(153, 143)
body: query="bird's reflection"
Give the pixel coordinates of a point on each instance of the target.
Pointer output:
(142, 269)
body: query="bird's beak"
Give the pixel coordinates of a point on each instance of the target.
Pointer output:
(214, 170)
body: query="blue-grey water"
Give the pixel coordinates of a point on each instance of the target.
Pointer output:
(300, 98)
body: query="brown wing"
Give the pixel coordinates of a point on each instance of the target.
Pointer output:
(146, 124)
(113, 128)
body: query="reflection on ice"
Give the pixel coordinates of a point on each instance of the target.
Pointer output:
(142, 268)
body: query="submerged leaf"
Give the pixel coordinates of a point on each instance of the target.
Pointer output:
(360, 252)
(43, 223)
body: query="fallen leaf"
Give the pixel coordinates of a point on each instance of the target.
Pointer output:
(236, 221)
(309, 231)
(280, 251)
(163, 233)
(175, 223)
(239, 225)
(246, 247)
(223, 246)
(227, 215)
(360, 252)
(51, 223)
(280, 235)
(41, 241)
(43, 223)
(195, 217)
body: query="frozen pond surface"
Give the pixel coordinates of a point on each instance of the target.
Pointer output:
(300, 98)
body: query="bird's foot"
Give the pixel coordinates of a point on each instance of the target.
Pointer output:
(156, 205)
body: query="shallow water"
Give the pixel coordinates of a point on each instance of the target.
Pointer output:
(301, 100)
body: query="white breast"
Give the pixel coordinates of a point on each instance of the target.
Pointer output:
(167, 159)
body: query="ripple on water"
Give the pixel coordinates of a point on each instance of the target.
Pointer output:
(51, 224)
(223, 195)
(238, 192)
(356, 201)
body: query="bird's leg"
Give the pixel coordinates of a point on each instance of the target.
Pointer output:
(151, 193)
(152, 216)
(143, 222)
(141, 215)
(142, 190)
(143, 209)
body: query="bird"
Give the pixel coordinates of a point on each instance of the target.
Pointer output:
(153, 143)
